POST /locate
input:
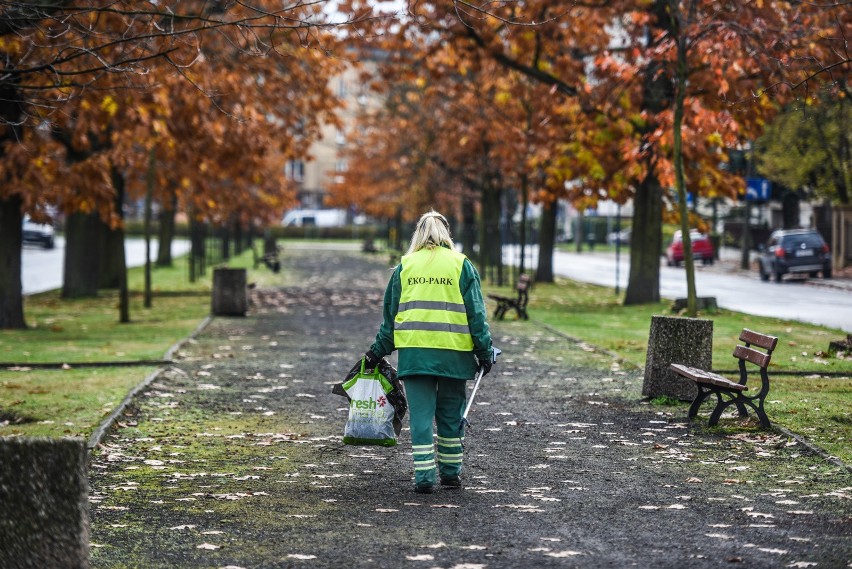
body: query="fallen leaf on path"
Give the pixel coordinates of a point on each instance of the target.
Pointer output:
(566, 553)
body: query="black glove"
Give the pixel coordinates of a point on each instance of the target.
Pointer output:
(371, 359)
(484, 365)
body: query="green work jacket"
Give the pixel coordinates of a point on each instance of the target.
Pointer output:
(439, 362)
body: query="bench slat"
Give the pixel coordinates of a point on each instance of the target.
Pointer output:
(758, 339)
(751, 355)
(703, 376)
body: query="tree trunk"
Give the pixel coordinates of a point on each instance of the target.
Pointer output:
(680, 182)
(547, 239)
(111, 253)
(490, 254)
(468, 228)
(120, 260)
(238, 238)
(149, 192)
(166, 232)
(11, 219)
(225, 233)
(525, 200)
(81, 273)
(11, 294)
(643, 284)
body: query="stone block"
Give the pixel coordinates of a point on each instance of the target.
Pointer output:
(673, 339)
(44, 503)
(230, 297)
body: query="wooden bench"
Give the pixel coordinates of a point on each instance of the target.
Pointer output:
(518, 303)
(729, 392)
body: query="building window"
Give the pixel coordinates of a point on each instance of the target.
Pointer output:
(341, 88)
(340, 137)
(295, 170)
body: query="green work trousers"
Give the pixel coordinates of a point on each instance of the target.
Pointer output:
(442, 399)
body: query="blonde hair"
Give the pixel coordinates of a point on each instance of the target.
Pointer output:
(432, 230)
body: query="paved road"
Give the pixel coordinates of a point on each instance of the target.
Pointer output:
(42, 268)
(793, 299)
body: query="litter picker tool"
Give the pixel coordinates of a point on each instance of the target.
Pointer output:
(464, 422)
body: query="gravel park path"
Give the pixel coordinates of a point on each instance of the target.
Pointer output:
(233, 458)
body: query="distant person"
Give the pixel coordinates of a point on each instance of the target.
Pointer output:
(434, 314)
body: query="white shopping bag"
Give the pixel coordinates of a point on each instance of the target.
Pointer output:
(371, 415)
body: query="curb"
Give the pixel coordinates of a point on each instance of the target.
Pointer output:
(812, 447)
(106, 425)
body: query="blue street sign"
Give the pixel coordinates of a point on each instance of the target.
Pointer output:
(758, 189)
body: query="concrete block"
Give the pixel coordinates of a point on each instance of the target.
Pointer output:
(44, 503)
(674, 339)
(230, 297)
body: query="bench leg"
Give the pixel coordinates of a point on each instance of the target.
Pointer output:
(702, 396)
(761, 414)
(742, 410)
(721, 405)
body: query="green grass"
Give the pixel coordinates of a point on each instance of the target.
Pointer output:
(66, 402)
(40, 402)
(814, 406)
(596, 315)
(85, 330)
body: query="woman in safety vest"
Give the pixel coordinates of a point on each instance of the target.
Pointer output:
(435, 316)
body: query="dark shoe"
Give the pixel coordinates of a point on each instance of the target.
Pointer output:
(451, 482)
(423, 488)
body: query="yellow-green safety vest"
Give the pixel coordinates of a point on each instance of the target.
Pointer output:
(431, 310)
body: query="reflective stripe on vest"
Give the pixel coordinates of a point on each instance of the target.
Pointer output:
(431, 311)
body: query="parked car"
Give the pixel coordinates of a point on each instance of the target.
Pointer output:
(702, 249)
(792, 251)
(40, 233)
(314, 218)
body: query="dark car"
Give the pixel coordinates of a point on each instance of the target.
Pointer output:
(702, 249)
(793, 251)
(40, 233)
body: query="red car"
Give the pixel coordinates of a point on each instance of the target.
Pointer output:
(702, 249)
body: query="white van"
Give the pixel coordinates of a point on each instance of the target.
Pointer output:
(314, 218)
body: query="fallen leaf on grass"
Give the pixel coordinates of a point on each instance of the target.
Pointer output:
(444, 506)
(386, 510)
(209, 546)
(300, 556)
(421, 557)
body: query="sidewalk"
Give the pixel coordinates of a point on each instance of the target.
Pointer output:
(233, 459)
